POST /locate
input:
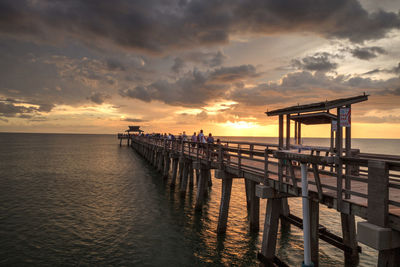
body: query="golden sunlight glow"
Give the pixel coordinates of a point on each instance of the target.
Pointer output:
(240, 124)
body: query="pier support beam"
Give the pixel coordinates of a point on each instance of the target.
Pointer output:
(191, 175)
(254, 215)
(285, 211)
(247, 189)
(351, 256)
(314, 225)
(167, 164)
(184, 181)
(201, 187)
(181, 165)
(174, 171)
(272, 213)
(224, 205)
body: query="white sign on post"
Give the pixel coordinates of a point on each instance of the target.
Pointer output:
(345, 117)
(334, 126)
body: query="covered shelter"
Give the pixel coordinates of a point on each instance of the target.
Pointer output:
(319, 113)
(131, 129)
(134, 129)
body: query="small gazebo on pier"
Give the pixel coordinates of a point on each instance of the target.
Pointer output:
(319, 113)
(127, 136)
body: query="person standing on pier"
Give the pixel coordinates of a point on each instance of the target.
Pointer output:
(210, 139)
(194, 141)
(202, 141)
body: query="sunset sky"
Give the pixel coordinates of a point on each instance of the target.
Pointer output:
(169, 66)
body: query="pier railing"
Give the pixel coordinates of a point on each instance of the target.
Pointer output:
(360, 185)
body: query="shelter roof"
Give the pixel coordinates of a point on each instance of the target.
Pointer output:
(314, 118)
(134, 129)
(319, 106)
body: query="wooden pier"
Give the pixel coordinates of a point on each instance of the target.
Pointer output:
(353, 183)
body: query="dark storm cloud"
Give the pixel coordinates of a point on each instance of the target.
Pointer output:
(367, 53)
(303, 86)
(113, 64)
(233, 74)
(179, 64)
(207, 59)
(11, 108)
(318, 62)
(159, 26)
(98, 98)
(46, 107)
(194, 88)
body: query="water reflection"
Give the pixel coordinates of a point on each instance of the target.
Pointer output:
(71, 200)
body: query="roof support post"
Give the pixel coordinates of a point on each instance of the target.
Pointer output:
(287, 131)
(339, 148)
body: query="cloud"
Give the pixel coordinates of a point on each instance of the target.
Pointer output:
(194, 88)
(367, 53)
(98, 98)
(12, 108)
(233, 74)
(133, 120)
(208, 59)
(46, 107)
(114, 64)
(394, 70)
(305, 86)
(157, 26)
(317, 62)
(179, 64)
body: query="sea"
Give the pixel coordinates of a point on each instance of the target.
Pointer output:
(82, 200)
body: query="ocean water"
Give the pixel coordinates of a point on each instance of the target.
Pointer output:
(83, 200)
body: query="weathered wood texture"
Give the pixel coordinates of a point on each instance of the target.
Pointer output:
(370, 190)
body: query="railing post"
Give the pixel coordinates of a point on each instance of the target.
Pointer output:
(266, 174)
(220, 157)
(239, 159)
(378, 192)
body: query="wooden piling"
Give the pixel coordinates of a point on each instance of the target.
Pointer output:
(254, 214)
(351, 256)
(167, 164)
(201, 188)
(174, 171)
(247, 191)
(191, 175)
(183, 184)
(224, 204)
(314, 231)
(181, 165)
(272, 213)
